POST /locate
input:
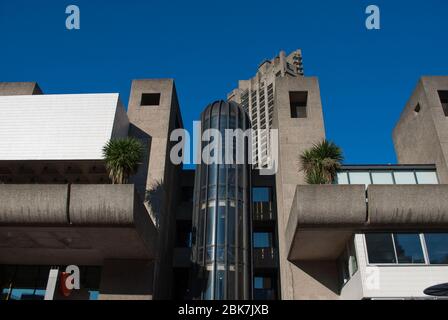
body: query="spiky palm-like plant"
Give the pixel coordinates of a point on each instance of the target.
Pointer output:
(122, 157)
(321, 163)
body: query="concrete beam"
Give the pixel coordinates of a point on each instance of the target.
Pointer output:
(324, 217)
(79, 224)
(33, 204)
(408, 205)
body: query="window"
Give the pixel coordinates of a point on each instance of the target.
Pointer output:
(298, 101)
(150, 99)
(264, 287)
(443, 95)
(347, 262)
(342, 178)
(409, 248)
(261, 194)
(380, 248)
(402, 177)
(262, 283)
(360, 178)
(437, 247)
(417, 108)
(426, 177)
(263, 240)
(382, 178)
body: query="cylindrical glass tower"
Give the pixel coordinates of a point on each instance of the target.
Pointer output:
(221, 215)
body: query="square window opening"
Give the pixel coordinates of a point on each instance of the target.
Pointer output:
(298, 104)
(443, 95)
(150, 99)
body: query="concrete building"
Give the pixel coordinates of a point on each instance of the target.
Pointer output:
(220, 231)
(256, 97)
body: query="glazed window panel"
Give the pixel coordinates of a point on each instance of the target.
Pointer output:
(409, 248)
(380, 248)
(342, 178)
(426, 177)
(437, 247)
(360, 178)
(382, 178)
(404, 177)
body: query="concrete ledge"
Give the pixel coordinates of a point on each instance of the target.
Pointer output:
(78, 224)
(33, 204)
(324, 217)
(408, 205)
(102, 204)
(324, 205)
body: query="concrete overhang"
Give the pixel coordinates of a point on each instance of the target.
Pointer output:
(77, 224)
(324, 217)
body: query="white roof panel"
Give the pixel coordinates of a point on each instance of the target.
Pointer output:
(58, 127)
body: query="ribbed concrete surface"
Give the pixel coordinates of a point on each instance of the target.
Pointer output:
(33, 204)
(102, 204)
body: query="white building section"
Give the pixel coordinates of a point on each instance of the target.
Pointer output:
(59, 127)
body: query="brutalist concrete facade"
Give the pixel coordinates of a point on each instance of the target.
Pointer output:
(138, 236)
(421, 135)
(125, 231)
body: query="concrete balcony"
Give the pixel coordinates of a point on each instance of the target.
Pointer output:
(324, 217)
(73, 224)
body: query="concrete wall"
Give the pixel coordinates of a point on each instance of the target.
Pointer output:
(31, 204)
(422, 138)
(158, 179)
(19, 88)
(295, 135)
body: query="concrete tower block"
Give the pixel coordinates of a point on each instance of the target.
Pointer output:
(421, 134)
(153, 112)
(299, 120)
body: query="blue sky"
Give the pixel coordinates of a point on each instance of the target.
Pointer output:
(365, 76)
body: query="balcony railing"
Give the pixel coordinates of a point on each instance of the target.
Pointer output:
(265, 257)
(263, 211)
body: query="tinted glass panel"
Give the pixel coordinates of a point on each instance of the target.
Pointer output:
(211, 225)
(409, 248)
(380, 248)
(221, 226)
(437, 246)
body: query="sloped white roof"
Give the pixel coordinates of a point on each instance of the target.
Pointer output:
(59, 127)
